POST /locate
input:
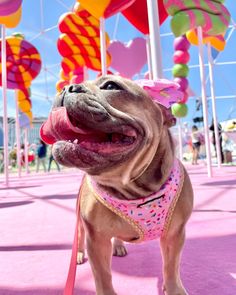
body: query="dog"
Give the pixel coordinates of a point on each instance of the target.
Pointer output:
(117, 132)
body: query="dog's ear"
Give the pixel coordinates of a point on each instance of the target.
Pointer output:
(169, 119)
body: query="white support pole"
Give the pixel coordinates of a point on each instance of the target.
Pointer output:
(180, 139)
(204, 102)
(26, 150)
(103, 46)
(155, 40)
(17, 130)
(213, 100)
(148, 49)
(4, 97)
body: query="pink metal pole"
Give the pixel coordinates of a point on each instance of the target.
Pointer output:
(180, 139)
(4, 96)
(17, 131)
(155, 40)
(213, 99)
(26, 150)
(103, 46)
(204, 101)
(148, 49)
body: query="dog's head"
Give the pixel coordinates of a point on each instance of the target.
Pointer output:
(104, 125)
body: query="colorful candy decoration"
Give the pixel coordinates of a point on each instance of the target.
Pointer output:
(180, 72)
(79, 43)
(218, 41)
(24, 104)
(134, 52)
(10, 12)
(105, 8)
(137, 15)
(23, 62)
(211, 15)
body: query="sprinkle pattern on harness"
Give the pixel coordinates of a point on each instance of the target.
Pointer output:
(152, 213)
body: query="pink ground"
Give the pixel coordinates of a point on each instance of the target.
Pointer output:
(36, 231)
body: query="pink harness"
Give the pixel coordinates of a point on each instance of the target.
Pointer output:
(151, 215)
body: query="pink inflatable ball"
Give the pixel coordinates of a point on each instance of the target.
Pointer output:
(181, 43)
(180, 70)
(179, 110)
(183, 83)
(181, 57)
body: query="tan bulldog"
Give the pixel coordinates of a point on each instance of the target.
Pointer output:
(119, 135)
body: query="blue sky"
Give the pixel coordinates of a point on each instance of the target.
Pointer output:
(36, 20)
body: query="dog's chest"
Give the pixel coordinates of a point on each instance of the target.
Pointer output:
(149, 216)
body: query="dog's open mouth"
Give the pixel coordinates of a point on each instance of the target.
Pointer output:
(59, 127)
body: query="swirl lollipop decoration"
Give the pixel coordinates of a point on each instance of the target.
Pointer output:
(211, 15)
(23, 62)
(10, 13)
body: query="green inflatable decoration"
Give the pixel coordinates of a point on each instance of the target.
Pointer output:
(179, 110)
(180, 70)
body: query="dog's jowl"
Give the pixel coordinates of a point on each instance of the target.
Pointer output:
(134, 189)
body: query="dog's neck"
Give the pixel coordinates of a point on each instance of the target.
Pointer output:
(150, 180)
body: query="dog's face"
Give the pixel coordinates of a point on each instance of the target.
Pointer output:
(100, 125)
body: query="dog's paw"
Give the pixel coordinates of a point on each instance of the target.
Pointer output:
(119, 250)
(80, 257)
(173, 289)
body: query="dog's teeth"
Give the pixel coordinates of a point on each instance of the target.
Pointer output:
(75, 141)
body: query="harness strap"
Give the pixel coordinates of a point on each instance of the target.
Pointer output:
(70, 282)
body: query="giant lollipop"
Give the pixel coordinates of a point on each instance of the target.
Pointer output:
(23, 62)
(211, 15)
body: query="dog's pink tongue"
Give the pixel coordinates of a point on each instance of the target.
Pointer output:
(58, 127)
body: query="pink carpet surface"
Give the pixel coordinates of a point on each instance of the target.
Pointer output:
(37, 221)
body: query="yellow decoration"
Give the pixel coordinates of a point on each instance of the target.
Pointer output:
(218, 42)
(12, 20)
(96, 8)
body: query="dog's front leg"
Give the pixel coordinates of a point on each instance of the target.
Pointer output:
(99, 250)
(171, 246)
(81, 243)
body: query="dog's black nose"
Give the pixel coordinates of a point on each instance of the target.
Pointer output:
(76, 88)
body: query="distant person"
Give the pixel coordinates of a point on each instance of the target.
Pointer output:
(13, 156)
(228, 148)
(1, 161)
(22, 154)
(196, 144)
(41, 155)
(212, 128)
(51, 158)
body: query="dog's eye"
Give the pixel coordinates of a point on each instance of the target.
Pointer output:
(111, 86)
